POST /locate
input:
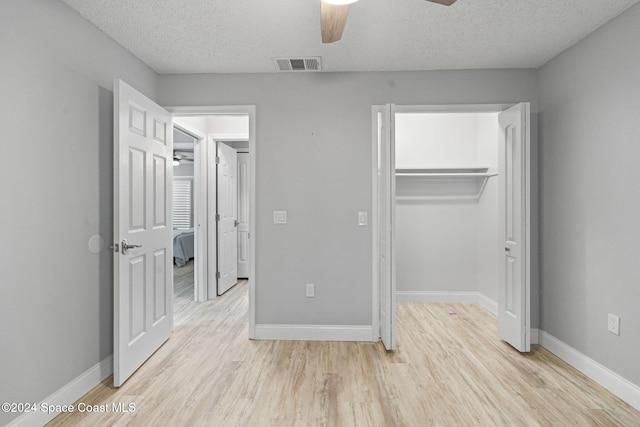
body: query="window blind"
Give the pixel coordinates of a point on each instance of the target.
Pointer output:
(182, 203)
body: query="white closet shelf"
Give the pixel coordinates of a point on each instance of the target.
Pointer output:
(457, 172)
(442, 184)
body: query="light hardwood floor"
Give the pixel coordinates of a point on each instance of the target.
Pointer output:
(450, 370)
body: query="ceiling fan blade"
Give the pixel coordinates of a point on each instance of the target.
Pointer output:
(183, 154)
(333, 18)
(443, 2)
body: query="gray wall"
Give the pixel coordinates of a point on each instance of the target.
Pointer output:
(56, 76)
(590, 209)
(314, 160)
(183, 169)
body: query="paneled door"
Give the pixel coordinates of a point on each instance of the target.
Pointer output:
(386, 225)
(243, 215)
(227, 217)
(143, 254)
(514, 218)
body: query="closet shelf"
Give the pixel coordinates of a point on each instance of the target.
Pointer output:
(442, 184)
(481, 172)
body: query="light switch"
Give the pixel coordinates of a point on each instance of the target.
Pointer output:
(362, 218)
(279, 217)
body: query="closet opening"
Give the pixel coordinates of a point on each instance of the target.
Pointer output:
(452, 212)
(447, 207)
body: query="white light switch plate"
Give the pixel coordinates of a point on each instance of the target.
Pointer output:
(279, 217)
(613, 324)
(362, 218)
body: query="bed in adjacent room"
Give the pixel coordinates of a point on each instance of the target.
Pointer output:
(183, 247)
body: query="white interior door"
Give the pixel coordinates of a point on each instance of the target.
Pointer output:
(143, 276)
(386, 225)
(243, 215)
(227, 217)
(514, 216)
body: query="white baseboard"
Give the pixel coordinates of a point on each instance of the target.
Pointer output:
(314, 332)
(535, 336)
(436, 296)
(621, 387)
(68, 394)
(448, 297)
(488, 303)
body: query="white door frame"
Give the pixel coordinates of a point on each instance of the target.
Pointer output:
(199, 267)
(439, 108)
(243, 196)
(233, 110)
(375, 224)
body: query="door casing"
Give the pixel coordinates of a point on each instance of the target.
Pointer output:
(244, 240)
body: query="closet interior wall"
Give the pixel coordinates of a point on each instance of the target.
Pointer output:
(446, 227)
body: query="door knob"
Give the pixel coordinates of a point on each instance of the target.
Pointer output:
(235, 223)
(126, 246)
(507, 250)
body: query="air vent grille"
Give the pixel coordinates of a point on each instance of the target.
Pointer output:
(312, 63)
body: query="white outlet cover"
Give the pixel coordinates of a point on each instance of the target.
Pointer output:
(279, 217)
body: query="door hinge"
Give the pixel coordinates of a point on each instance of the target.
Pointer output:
(217, 160)
(217, 275)
(217, 217)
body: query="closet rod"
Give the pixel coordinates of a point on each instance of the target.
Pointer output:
(446, 174)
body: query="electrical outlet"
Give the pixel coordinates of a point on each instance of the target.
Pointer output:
(279, 217)
(311, 290)
(613, 324)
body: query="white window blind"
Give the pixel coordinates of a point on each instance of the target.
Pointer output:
(182, 202)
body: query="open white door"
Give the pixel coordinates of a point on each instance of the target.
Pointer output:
(514, 312)
(143, 275)
(386, 221)
(243, 215)
(227, 217)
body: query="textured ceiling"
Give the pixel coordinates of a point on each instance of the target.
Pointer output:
(238, 36)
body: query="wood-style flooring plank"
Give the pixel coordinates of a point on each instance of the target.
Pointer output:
(450, 369)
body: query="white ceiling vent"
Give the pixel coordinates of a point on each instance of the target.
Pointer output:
(311, 63)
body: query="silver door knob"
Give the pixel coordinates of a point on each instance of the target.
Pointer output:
(126, 246)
